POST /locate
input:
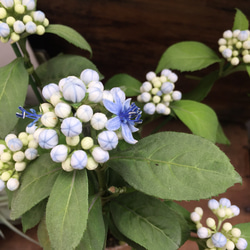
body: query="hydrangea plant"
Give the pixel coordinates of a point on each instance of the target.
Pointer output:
(77, 165)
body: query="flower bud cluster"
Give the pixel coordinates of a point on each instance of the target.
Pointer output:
(15, 153)
(224, 235)
(158, 91)
(235, 46)
(18, 18)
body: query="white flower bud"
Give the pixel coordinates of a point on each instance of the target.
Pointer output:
(176, 95)
(49, 90)
(66, 165)
(71, 126)
(5, 176)
(48, 138)
(235, 210)
(167, 87)
(4, 30)
(56, 98)
(167, 111)
(46, 107)
(84, 113)
(37, 133)
(18, 156)
(145, 97)
(22, 135)
(246, 59)
(235, 61)
(210, 244)
(31, 130)
(2, 185)
(96, 84)
(63, 110)
(163, 79)
(203, 233)
(49, 119)
(167, 98)
(149, 108)
(108, 140)
(31, 153)
(59, 153)
(89, 75)
(227, 53)
(225, 202)
(100, 155)
(227, 34)
(46, 22)
(230, 245)
(236, 232)
(79, 159)
(30, 27)
(98, 121)
(222, 41)
(38, 16)
(139, 98)
(227, 226)
(30, 4)
(150, 75)
(156, 99)
(156, 82)
(87, 143)
(166, 72)
(246, 44)
(241, 244)
(27, 18)
(40, 30)
(5, 157)
(172, 77)
(13, 184)
(219, 240)
(19, 8)
(95, 95)
(213, 204)
(146, 87)
(195, 217)
(236, 33)
(160, 108)
(19, 27)
(2, 148)
(221, 212)
(7, 3)
(20, 166)
(9, 137)
(210, 222)
(33, 144)
(73, 141)
(14, 37)
(91, 164)
(243, 35)
(154, 91)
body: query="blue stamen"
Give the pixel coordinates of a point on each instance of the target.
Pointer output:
(26, 114)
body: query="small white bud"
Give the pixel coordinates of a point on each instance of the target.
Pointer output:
(73, 141)
(46, 107)
(246, 44)
(79, 159)
(9, 137)
(172, 77)
(195, 217)
(18, 156)
(108, 140)
(219, 240)
(100, 155)
(95, 95)
(48, 138)
(146, 87)
(30, 27)
(243, 35)
(27, 18)
(89, 75)
(91, 163)
(19, 8)
(13, 184)
(167, 98)
(160, 108)
(145, 97)
(40, 30)
(62, 110)
(2, 148)
(221, 212)
(31, 153)
(227, 226)
(19, 27)
(96, 84)
(176, 95)
(246, 59)
(59, 153)
(56, 98)
(156, 82)
(71, 126)
(49, 119)
(156, 99)
(210, 243)
(84, 113)
(227, 34)
(167, 87)
(7, 3)
(154, 91)
(227, 53)
(38, 16)
(167, 111)
(33, 144)
(15, 144)
(241, 244)
(49, 90)
(222, 41)
(166, 72)
(30, 4)
(235, 61)
(98, 121)
(31, 130)
(225, 202)
(5, 157)
(66, 165)
(37, 133)
(213, 204)
(235, 210)
(203, 233)
(236, 232)
(236, 33)
(230, 245)
(87, 143)
(4, 30)
(149, 108)
(20, 166)
(150, 75)
(210, 222)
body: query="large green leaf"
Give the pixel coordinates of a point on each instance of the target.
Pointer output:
(70, 35)
(198, 117)
(62, 66)
(14, 82)
(177, 166)
(36, 184)
(187, 56)
(147, 221)
(240, 21)
(127, 83)
(43, 235)
(67, 210)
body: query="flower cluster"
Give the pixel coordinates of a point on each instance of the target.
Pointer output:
(235, 46)
(223, 236)
(15, 153)
(74, 124)
(18, 18)
(158, 92)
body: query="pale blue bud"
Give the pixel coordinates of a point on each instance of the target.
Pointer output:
(213, 204)
(176, 95)
(145, 97)
(13, 184)
(15, 144)
(100, 155)
(2, 185)
(149, 108)
(30, 27)
(108, 140)
(79, 159)
(4, 30)
(31, 153)
(31, 129)
(30, 4)
(160, 108)
(84, 113)
(7, 3)
(96, 84)
(71, 126)
(89, 75)
(19, 27)
(202, 233)
(62, 110)
(38, 16)
(48, 138)
(166, 72)
(95, 94)
(219, 240)
(235, 209)
(167, 87)
(172, 77)
(241, 244)
(150, 75)
(227, 53)
(49, 90)
(59, 153)
(146, 86)
(243, 35)
(225, 202)
(98, 121)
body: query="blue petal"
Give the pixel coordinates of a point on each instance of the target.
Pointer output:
(132, 128)
(118, 95)
(126, 104)
(127, 134)
(113, 123)
(112, 107)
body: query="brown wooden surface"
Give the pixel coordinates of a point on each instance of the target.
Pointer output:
(130, 37)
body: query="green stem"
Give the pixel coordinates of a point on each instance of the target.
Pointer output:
(101, 177)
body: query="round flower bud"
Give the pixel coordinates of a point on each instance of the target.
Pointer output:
(236, 32)
(225, 202)
(4, 30)
(15, 144)
(172, 77)
(167, 87)
(160, 108)
(18, 156)
(145, 97)
(46, 22)
(49, 119)
(89, 75)
(176, 95)
(243, 35)
(219, 240)
(236, 232)
(84, 113)
(235, 61)
(96, 84)
(62, 110)
(19, 27)
(108, 140)
(246, 44)
(227, 53)
(22, 135)
(210, 222)
(71, 126)
(3, 13)
(9, 137)
(31, 130)
(19, 8)
(14, 37)
(20, 166)
(246, 59)
(166, 72)
(33, 144)
(48, 138)
(7, 3)
(31, 153)
(56, 98)
(241, 244)
(230, 245)
(37, 133)
(66, 165)
(156, 99)
(73, 141)
(213, 204)
(46, 107)
(2, 148)
(38, 16)
(98, 121)
(63, 81)
(13, 184)
(222, 41)
(227, 34)
(221, 212)
(5, 176)
(49, 90)
(78, 159)
(203, 233)
(27, 18)
(2, 185)
(235, 210)
(91, 163)
(59, 153)
(227, 226)
(156, 82)
(139, 98)
(5, 157)
(195, 217)
(100, 155)
(40, 30)
(87, 143)
(146, 87)
(30, 4)
(95, 94)
(149, 108)
(167, 111)
(150, 75)
(30, 27)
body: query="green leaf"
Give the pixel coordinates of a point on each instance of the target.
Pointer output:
(70, 35)
(32, 217)
(127, 83)
(13, 89)
(43, 235)
(240, 21)
(53, 70)
(198, 117)
(248, 69)
(36, 183)
(67, 210)
(147, 221)
(221, 137)
(187, 56)
(177, 166)
(245, 232)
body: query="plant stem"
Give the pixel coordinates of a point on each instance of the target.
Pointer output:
(101, 177)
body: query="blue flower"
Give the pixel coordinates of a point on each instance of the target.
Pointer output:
(127, 115)
(32, 115)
